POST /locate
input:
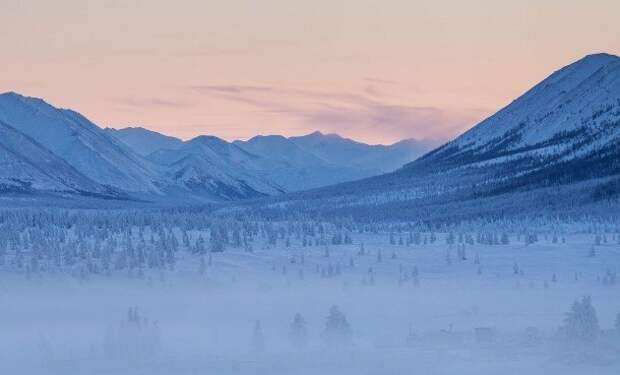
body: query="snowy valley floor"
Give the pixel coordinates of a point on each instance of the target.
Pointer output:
(428, 309)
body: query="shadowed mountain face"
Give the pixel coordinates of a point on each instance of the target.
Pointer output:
(563, 134)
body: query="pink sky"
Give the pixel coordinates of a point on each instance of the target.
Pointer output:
(376, 71)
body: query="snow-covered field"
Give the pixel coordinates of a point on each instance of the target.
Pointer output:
(429, 308)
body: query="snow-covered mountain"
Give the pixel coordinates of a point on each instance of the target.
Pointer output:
(144, 141)
(47, 149)
(26, 166)
(80, 143)
(206, 165)
(267, 165)
(565, 129)
(297, 168)
(562, 134)
(286, 164)
(212, 166)
(348, 153)
(44, 149)
(281, 150)
(572, 113)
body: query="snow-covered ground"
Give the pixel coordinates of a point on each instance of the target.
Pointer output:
(430, 308)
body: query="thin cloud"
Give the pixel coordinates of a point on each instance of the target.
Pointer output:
(151, 102)
(248, 90)
(347, 113)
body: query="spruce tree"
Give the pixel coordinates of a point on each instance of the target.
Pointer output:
(581, 322)
(337, 329)
(298, 333)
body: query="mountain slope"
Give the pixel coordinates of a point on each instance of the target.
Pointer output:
(49, 150)
(281, 150)
(563, 135)
(79, 142)
(573, 115)
(295, 168)
(214, 167)
(315, 160)
(345, 152)
(27, 166)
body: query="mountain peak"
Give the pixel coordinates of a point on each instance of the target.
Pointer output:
(592, 62)
(17, 96)
(319, 134)
(208, 139)
(131, 129)
(601, 56)
(272, 137)
(11, 94)
(14, 100)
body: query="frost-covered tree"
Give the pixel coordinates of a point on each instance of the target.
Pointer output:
(450, 238)
(258, 340)
(217, 242)
(298, 331)
(200, 247)
(362, 251)
(337, 329)
(581, 322)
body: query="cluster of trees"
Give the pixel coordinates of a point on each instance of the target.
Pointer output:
(84, 243)
(581, 323)
(135, 337)
(337, 331)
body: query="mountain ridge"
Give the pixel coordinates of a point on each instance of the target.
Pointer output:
(70, 155)
(294, 165)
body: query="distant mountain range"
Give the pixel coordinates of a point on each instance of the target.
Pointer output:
(47, 150)
(556, 145)
(289, 164)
